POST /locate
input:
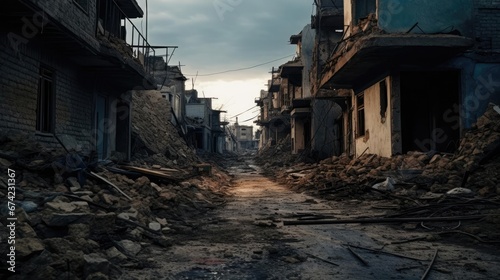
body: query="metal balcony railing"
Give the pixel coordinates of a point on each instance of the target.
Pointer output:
(141, 49)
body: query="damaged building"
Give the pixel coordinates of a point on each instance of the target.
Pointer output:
(415, 83)
(388, 77)
(67, 71)
(274, 118)
(206, 132)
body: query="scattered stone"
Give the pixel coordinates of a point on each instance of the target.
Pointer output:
(63, 220)
(73, 184)
(79, 230)
(130, 247)
(68, 207)
(115, 256)
(162, 221)
(289, 259)
(5, 163)
(27, 246)
(95, 264)
(155, 226)
(28, 206)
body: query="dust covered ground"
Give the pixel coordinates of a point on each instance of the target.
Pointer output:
(246, 239)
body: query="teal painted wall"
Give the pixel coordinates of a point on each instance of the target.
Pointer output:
(433, 16)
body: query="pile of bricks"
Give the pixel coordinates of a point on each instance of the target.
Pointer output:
(476, 165)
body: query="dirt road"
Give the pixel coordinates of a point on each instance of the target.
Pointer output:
(246, 239)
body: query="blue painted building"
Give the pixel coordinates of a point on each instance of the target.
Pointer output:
(418, 73)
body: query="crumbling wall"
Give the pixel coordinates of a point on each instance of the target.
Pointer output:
(154, 138)
(20, 87)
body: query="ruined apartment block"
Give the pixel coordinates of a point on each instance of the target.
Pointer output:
(387, 77)
(66, 69)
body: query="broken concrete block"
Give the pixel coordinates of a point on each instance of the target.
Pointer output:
(155, 226)
(27, 246)
(131, 247)
(73, 184)
(24, 230)
(162, 221)
(460, 191)
(109, 198)
(115, 256)
(95, 264)
(387, 185)
(124, 216)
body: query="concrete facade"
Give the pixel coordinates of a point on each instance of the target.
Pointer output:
(376, 139)
(437, 83)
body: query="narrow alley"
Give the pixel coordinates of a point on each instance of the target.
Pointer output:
(246, 239)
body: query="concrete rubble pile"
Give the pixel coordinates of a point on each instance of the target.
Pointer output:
(276, 155)
(417, 184)
(475, 165)
(154, 137)
(78, 220)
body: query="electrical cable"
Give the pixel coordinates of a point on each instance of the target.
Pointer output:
(250, 118)
(240, 69)
(243, 112)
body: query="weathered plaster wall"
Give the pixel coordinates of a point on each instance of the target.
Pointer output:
(432, 16)
(480, 86)
(377, 136)
(308, 37)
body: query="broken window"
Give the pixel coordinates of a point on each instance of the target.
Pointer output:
(45, 102)
(360, 106)
(84, 4)
(383, 100)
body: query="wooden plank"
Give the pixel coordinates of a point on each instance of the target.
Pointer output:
(109, 183)
(177, 175)
(384, 220)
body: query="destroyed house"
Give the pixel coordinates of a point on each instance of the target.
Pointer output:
(206, 131)
(298, 103)
(275, 110)
(66, 68)
(244, 137)
(419, 73)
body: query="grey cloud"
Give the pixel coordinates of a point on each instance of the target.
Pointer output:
(249, 33)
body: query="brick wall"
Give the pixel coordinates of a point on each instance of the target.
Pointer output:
(486, 24)
(19, 90)
(80, 22)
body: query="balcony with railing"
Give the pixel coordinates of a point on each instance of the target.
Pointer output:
(120, 37)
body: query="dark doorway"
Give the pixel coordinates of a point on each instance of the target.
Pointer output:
(123, 128)
(428, 119)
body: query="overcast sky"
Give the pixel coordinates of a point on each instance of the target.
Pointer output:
(220, 35)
